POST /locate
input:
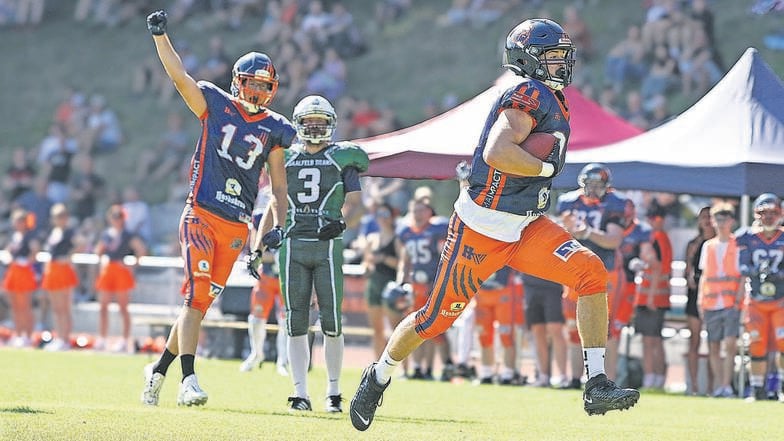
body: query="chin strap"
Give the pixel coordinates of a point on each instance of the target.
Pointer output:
(251, 108)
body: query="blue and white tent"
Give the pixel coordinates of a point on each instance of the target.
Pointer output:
(729, 143)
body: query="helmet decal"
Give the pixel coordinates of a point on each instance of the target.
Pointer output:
(528, 48)
(254, 79)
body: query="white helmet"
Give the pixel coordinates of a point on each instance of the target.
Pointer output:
(314, 106)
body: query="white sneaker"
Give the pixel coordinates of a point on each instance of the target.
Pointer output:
(152, 385)
(21, 342)
(56, 345)
(282, 370)
(190, 392)
(250, 363)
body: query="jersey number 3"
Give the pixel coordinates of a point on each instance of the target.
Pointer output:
(310, 177)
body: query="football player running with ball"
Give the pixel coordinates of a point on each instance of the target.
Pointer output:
(499, 220)
(239, 135)
(321, 175)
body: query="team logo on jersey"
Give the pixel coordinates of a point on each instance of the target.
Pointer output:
(544, 196)
(455, 309)
(567, 249)
(522, 100)
(768, 289)
(236, 244)
(233, 187)
(468, 253)
(215, 290)
(204, 266)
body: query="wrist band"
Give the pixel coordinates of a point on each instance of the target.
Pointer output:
(547, 170)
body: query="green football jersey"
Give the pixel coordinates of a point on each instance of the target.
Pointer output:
(315, 186)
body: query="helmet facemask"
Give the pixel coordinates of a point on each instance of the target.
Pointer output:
(315, 128)
(767, 210)
(594, 188)
(565, 65)
(315, 119)
(594, 179)
(254, 91)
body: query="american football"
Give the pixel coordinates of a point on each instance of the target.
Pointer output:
(539, 144)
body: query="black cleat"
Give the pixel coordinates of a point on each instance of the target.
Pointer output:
(334, 403)
(516, 380)
(448, 372)
(574, 383)
(758, 394)
(464, 371)
(602, 395)
(299, 404)
(367, 399)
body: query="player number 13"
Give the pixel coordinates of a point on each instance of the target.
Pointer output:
(257, 147)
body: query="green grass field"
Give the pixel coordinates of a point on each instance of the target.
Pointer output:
(85, 396)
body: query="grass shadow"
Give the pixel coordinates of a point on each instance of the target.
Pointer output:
(338, 416)
(313, 415)
(22, 409)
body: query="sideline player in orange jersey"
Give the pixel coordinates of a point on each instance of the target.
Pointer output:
(419, 244)
(239, 135)
(494, 304)
(635, 253)
(761, 255)
(594, 214)
(264, 297)
(499, 220)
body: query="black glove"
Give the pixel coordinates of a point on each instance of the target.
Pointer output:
(156, 22)
(332, 229)
(273, 238)
(254, 263)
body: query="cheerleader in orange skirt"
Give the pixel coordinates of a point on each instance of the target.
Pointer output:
(19, 281)
(60, 279)
(115, 279)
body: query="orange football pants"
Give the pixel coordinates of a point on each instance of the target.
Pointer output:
(494, 305)
(765, 323)
(263, 295)
(210, 245)
(545, 250)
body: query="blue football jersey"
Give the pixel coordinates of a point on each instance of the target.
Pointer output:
(231, 152)
(422, 247)
(610, 209)
(761, 260)
(493, 189)
(635, 235)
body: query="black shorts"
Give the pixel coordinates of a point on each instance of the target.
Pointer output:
(649, 322)
(543, 304)
(691, 303)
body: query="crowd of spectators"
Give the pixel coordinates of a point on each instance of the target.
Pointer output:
(671, 50)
